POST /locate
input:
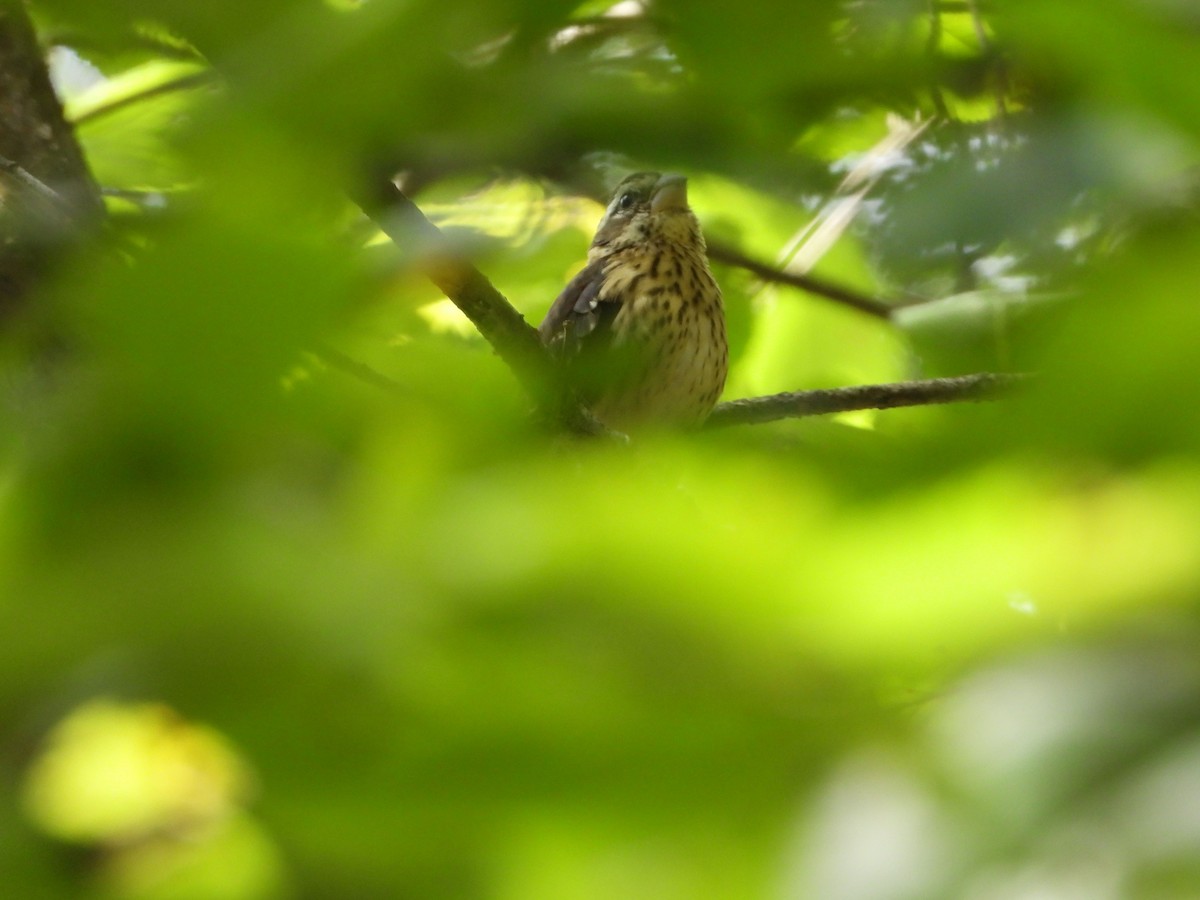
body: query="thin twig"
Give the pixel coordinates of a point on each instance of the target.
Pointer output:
(797, 404)
(869, 305)
(335, 359)
(31, 185)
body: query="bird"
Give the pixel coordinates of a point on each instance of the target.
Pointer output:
(640, 331)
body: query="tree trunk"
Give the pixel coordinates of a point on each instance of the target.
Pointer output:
(47, 195)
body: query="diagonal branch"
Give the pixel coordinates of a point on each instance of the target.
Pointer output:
(335, 359)
(20, 188)
(514, 340)
(797, 404)
(869, 305)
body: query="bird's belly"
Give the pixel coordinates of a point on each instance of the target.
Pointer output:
(681, 369)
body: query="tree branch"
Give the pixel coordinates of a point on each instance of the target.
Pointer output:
(869, 305)
(335, 359)
(759, 410)
(514, 340)
(797, 404)
(36, 199)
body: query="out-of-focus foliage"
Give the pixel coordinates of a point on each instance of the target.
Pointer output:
(928, 653)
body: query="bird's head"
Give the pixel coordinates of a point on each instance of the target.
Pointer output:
(647, 206)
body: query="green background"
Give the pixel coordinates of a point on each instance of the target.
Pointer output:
(268, 630)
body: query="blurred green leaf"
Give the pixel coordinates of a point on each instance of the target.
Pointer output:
(256, 469)
(124, 124)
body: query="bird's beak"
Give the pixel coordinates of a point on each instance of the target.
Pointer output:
(669, 193)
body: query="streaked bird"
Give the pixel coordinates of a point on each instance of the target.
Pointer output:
(641, 330)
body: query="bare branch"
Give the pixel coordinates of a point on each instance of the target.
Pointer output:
(797, 404)
(870, 305)
(514, 340)
(21, 188)
(759, 410)
(335, 359)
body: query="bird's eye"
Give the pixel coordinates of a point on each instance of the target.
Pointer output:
(625, 202)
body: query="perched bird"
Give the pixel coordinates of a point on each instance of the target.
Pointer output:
(641, 330)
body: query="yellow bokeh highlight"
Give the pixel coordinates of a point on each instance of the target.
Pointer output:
(115, 772)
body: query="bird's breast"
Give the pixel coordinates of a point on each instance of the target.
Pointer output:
(670, 313)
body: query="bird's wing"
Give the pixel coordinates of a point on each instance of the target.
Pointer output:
(578, 311)
(579, 330)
